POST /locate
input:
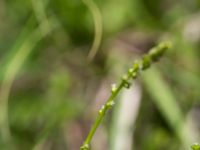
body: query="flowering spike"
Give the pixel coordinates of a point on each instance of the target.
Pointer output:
(157, 52)
(140, 65)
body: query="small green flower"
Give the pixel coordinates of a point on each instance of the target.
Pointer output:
(110, 104)
(196, 146)
(85, 147)
(146, 62)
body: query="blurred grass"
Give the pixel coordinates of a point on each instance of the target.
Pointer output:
(167, 103)
(10, 72)
(97, 27)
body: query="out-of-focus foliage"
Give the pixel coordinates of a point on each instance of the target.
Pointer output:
(50, 93)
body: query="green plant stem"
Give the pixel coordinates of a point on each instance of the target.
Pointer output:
(154, 55)
(102, 112)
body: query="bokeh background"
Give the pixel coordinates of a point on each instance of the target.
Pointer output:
(59, 58)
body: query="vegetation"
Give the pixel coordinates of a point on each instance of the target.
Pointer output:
(137, 67)
(59, 58)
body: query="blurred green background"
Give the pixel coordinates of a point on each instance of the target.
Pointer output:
(59, 58)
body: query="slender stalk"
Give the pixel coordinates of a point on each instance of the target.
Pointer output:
(98, 27)
(153, 55)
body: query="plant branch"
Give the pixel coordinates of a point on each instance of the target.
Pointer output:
(140, 65)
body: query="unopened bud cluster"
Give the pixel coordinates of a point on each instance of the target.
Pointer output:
(153, 55)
